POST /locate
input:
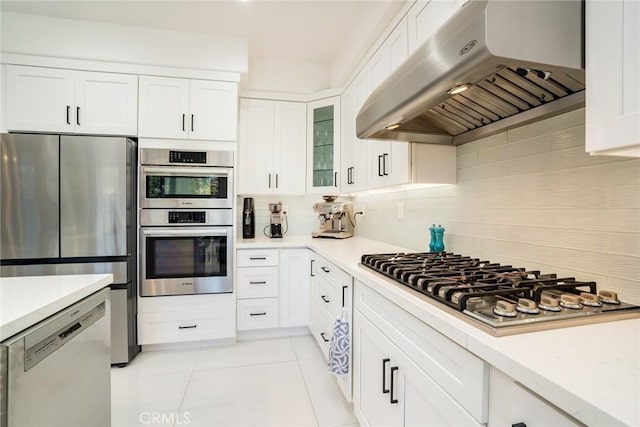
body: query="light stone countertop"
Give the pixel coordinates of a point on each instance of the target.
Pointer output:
(592, 372)
(25, 301)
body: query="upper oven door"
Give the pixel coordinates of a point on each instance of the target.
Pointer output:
(186, 187)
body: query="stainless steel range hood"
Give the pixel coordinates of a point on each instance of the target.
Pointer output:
(521, 61)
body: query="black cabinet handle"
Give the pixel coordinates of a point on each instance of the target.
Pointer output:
(257, 283)
(269, 180)
(264, 313)
(257, 258)
(325, 269)
(380, 166)
(391, 399)
(323, 337)
(344, 288)
(384, 164)
(312, 261)
(188, 327)
(335, 179)
(384, 375)
(324, 298)
(276, 180)
(78, 116)
(192, 123)
(519, 425)
(68, 114)
(184, 116)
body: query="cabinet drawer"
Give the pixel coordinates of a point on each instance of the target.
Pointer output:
(177, 326)
(257, 258)
(459, 372)
(323, 328)
(257, 282)
(328, 296)
(330, 272)
(259, 313)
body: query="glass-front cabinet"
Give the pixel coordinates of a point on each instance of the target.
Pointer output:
(323, 154)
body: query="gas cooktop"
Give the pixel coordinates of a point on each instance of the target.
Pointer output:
(501, 299)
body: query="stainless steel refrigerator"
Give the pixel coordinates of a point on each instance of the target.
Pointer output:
(68, 206)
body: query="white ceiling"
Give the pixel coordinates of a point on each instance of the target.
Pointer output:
(296, 30)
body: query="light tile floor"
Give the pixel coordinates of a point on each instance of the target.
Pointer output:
(275, 382)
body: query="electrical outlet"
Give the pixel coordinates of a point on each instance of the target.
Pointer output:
(400, 209)
(362, 210)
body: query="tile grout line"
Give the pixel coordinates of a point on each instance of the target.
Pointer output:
(304, 381)
(186, 389)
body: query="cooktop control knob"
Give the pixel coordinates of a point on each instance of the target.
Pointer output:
(549, 302)
(609, 297)
(570, 301)
(590, 300)
(527, 306)
(505, 309)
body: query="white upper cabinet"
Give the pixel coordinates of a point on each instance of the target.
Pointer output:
(272, 147)
(188, 109)
(323, 155)
(613, 82)
(426, 16)
(58, 100)
(354, 152)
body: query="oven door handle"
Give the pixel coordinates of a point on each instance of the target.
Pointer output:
(199, 170)
(191, 232)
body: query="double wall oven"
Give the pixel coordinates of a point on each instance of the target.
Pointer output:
(186, 237)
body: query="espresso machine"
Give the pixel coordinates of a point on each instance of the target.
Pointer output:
(336, 219)
(277, 217)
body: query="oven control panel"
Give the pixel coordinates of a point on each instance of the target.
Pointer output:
(187, 217)
(188, 157)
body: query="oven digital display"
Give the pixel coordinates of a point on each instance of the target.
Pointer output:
(188, 157)
(197, 187)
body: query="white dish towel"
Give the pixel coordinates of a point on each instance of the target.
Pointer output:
(340, 345)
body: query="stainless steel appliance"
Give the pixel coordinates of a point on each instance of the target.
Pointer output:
(336, 219)
(69, 207)
(186, 246)
(501, 299)
(492, 66)
(277, 218)
(186, 179)
(57, 372)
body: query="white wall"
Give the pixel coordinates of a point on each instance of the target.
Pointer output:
(531, 197)
(64, 38)
(274, 75)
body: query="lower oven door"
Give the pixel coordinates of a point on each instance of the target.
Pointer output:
(184, 261)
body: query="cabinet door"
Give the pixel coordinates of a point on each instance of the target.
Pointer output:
(613, 67)
(213, 110)
(289, 147)
(323, 155)
(164, 106)
(39, 99)
(294, 290)
(426, 16)
(374, 355)
(106, 103)
(255, 147)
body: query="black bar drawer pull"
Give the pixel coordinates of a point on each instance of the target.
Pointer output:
(391, 399)
(380, 166)
(192, 129)
(384, 164)
(325, 269)
(344, 288)
(276, 180)
(323, 337)
(78, 116)
(264, 313)
(68, 114)
(324, 298)
(257, 258)
(269, 180)
(384, 375)
(519, 425)
(335, 179)
(184, 116)
(257, 283)
(188, 327)
(312, 261)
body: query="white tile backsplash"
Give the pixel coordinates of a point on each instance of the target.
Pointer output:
(532, 197)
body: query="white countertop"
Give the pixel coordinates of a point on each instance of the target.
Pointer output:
(25, 301)
(592, 372)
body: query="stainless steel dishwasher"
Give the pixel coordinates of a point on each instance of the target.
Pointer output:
(57, 372)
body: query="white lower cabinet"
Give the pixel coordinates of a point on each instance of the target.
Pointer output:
(406, 373)
(175, 319)
(272, 288)
(512, 404)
